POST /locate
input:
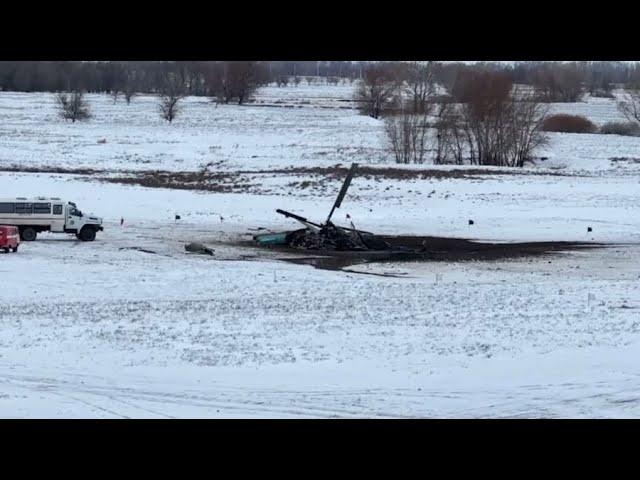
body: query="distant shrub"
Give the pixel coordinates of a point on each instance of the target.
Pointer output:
(602, 93)
(568, 124)
(629, 129)
(73, 107)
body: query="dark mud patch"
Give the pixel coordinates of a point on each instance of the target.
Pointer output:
(425, 249)
(204, 181)
(57, 170)
(340, 263)
(625, 160)
(339, 171)
(250, 181)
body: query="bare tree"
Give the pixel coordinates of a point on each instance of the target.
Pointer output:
(407, 135)
(236, 81)
(503, 128)
(123, 83)
(420, 84)
(172, 91)
(376, 89)
(73, 107)
(408, 131)
(452, 137)
(524, 119)
(282, 80)
(129, 85)
(598, 83)
(486, 96)
(629, 106)
(128, 94)
(169, 107)
(497, 126)
(559, 83)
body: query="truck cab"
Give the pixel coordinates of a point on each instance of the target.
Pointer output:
(83, 226)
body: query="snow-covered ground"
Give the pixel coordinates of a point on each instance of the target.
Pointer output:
(599, 110)
(104, 329)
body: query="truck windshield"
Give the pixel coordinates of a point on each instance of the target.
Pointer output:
(75, 212)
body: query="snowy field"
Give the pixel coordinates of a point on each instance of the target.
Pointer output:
(104, 329)
(138, 139)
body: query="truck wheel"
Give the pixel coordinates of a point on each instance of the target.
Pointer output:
(6, 250)
(87, 234)
(28, 234)
(15, 249)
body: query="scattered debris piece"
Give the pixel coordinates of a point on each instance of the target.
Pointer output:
(265, 239)
(139, 249)
(195, 247)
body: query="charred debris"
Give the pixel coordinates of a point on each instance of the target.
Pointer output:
(349, 242)
(326, 236)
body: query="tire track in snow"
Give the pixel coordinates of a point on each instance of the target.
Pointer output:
(92, 405)
(295, 406)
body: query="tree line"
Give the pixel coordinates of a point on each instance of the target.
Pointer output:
(228, 80)
(547, 81)
(553, 81)
(479, 114)
(198, 78)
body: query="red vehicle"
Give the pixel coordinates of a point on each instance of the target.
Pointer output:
(9, 238)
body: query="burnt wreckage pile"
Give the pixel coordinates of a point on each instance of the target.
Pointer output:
(326, 236)
(331, 240)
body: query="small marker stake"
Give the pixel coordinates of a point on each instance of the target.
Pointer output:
(590, 297)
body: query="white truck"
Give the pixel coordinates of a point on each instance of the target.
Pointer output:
(42, 214)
